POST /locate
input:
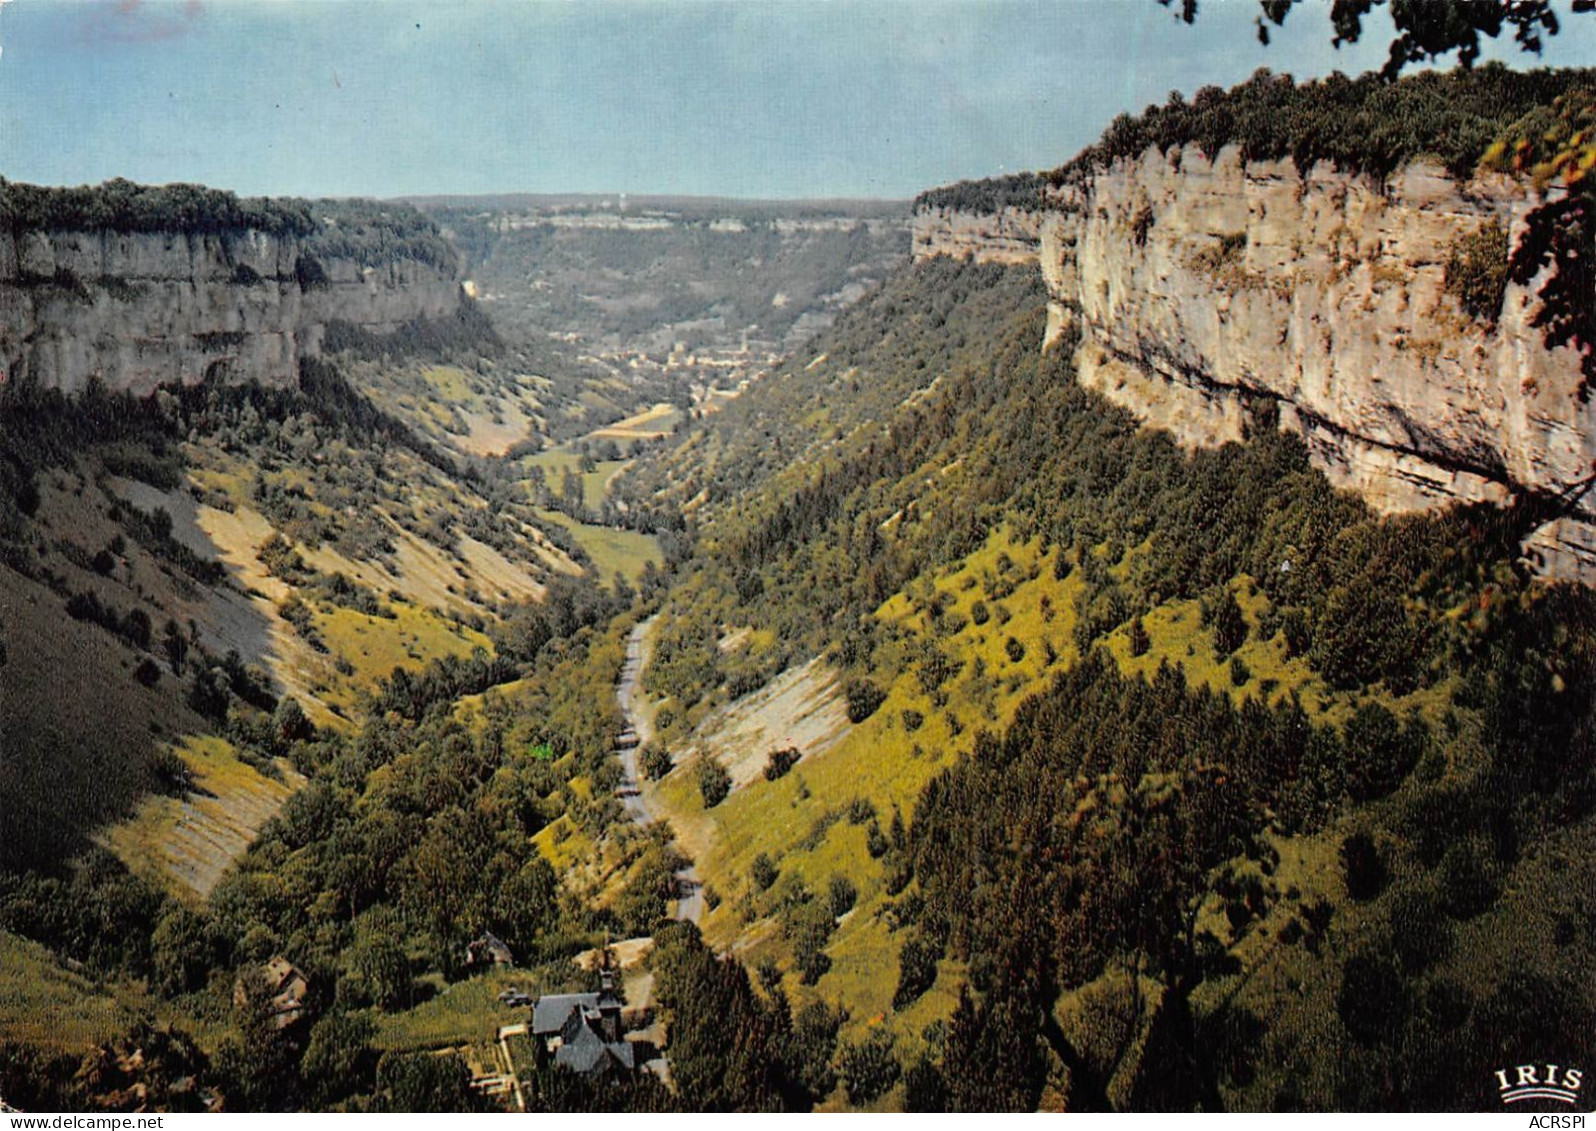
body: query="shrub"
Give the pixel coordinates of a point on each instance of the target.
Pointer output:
(1363, 867)
(210, 693)
(917, 971)
(714, 783)
(1373, 1001)
(137, 630)
(1230, 627)
(778, 762)
(843, 895)
(863, 699)
(1468, 879)
(656, 761)
(1139, 640)
(868, 1069)
(1240, 673)
(1477, 271)
(763, 872)
(1380, 752)
(310, 274)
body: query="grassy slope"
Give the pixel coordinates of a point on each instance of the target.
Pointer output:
(886, 763)
(47, 1006)
(184, 844)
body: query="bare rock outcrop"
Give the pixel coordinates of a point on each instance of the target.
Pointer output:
(139, 310)
(1201, 289)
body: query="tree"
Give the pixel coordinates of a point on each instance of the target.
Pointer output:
(1380, 751)
(917, 970)
(869, 1068)
(762, 872)
(1139, 640)
(338, 1060)
(1373, 998)
(379, 964)
(1424, 31)
(175, 647)
(257, 1067)
(1362, 866)
(137, 629)
(843, 895)
(863, 698)
(714, 783)
(424, 1081)
(656, 760)
(289, 723)
(1230, 627)
(446, 874)
(725, 1043)
(994, 1058)
(923, 1087)
(810, 1047)
(184, 948)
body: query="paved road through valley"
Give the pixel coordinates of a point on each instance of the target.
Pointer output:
(690, 904)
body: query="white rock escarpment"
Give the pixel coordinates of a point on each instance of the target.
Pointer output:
(139, 310)
(1011, 235)
(1202, 288)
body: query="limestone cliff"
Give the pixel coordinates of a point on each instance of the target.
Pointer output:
(1204, 289)
(142, 309)
(1010, 235)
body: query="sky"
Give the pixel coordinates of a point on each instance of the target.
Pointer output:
(747, 98)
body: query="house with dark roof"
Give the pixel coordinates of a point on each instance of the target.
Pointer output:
(583, 1033)
(286, 987)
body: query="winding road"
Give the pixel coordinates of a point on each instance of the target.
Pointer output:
(689, 890)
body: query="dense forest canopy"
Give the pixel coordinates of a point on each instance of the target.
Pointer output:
(370, 232)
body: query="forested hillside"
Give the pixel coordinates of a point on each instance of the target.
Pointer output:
(1170, 780)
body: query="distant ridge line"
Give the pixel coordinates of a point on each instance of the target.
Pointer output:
(612, 200)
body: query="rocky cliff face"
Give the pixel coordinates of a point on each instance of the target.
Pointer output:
(1009, 236)
(1202, 290)
(138, 310)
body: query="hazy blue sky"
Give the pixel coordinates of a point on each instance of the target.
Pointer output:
(773, 98)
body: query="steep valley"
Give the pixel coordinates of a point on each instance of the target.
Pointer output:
(1136, 652)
